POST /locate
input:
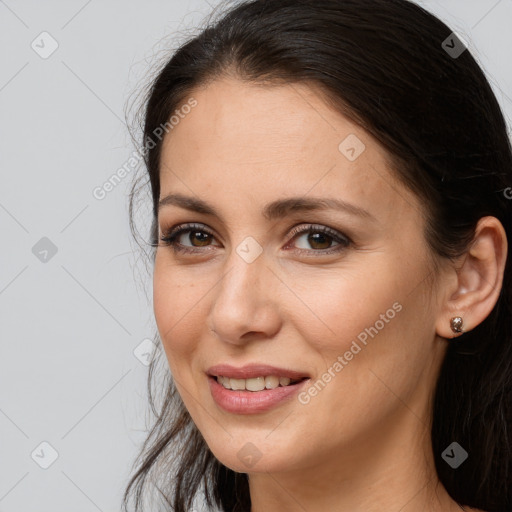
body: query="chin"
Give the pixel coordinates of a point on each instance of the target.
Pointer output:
(248, 456)
(232, 462)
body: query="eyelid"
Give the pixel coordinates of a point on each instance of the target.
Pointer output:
(186, 227)
(178, 229)
(170, 235)
(304, 228)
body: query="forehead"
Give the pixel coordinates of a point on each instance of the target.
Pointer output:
(259, 141)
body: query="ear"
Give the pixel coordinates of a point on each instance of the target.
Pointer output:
(473, 293)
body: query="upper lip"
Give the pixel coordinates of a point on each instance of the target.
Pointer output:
(253, 370)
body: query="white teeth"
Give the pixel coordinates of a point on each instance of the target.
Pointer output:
(237, 383)
(255, 383)
(271, 382)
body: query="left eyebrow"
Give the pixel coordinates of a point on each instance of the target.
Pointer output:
(272, 211)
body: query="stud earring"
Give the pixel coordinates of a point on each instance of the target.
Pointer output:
(456, 324)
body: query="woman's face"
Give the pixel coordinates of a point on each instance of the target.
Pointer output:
(351, 308)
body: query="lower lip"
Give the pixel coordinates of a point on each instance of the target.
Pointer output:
(252, 402)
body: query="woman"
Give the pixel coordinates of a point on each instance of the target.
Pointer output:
(332, 282)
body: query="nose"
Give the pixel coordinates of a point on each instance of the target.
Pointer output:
(244, 306)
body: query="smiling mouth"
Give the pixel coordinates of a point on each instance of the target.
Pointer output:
(256, 383)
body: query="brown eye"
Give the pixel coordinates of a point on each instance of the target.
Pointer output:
(201, 237)
(319, 239)
(188, 238)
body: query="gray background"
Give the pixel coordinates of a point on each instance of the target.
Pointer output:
(71, 321)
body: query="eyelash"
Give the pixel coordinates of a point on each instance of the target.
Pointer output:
(169, 238)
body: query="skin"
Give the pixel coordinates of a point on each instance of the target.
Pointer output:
(362, 443)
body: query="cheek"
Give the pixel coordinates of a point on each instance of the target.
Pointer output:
(342, 307)
(178, 313)
(378, 322)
